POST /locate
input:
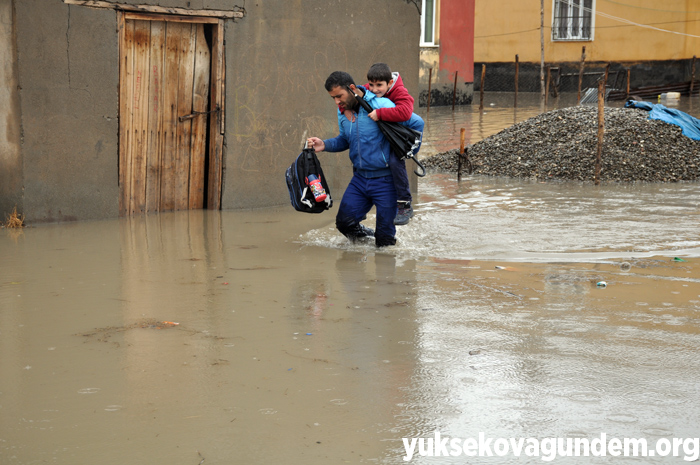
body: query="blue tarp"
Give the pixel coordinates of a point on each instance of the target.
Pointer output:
(689, 124)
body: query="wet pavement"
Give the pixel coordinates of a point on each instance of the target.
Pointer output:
(264, 337)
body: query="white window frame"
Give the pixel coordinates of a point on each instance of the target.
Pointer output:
(423, 19)
(572, 30)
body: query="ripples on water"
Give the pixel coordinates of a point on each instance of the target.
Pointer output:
(556, 357)
(493, 218)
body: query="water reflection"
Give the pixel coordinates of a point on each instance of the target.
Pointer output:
(564, 361)
(155, 339)
(504, 219)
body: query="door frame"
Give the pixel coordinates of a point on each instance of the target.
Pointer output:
(216, 100)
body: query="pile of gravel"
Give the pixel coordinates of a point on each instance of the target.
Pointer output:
(562, 144)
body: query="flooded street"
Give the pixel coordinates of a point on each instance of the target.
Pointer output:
(264, 337)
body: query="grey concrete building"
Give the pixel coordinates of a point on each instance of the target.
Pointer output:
(110, 109)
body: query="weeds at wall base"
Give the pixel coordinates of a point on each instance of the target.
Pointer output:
(14, 220)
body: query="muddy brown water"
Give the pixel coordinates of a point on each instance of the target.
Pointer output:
(292, 346)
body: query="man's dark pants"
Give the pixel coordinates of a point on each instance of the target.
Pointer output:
(362, 193)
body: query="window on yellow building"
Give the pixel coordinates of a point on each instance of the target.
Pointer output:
(427, 23)
(573, 20)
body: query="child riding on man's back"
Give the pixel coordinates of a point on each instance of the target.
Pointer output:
(384, 83)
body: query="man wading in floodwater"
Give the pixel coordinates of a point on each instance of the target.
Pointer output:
(372, 183)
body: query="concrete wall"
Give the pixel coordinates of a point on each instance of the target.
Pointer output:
(278, 57)
(10, 155)
(68, 73)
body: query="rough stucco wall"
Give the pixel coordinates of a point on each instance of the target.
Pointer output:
(68, 71)
(278, 58)
(10, 155)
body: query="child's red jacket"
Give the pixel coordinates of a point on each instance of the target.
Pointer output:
(401, 98)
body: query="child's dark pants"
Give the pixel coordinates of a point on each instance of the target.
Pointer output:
(398, 172)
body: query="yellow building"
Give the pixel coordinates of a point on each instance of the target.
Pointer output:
(657, 40)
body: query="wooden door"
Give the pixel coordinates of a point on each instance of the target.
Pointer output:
(164, 80)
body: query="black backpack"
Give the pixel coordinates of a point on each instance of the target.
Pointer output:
(299, 191)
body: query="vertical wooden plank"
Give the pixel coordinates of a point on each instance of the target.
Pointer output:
(142, 39)
(692, 76)
(459, 155)
(430, 83)
(601, 130)
(542, 90)
(517, 77)
(216, 139)
(126, 40)
(170, 91)
(454, 92)
(481, 87)
(222, 96)
(122, 107)
(184, 107)
(580, 74)
(155, 121)
(199, 123)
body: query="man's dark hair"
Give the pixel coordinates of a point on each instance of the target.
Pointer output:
(338, 79)
(379, 72)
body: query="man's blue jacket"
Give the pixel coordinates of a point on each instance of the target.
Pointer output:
(369, 149)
